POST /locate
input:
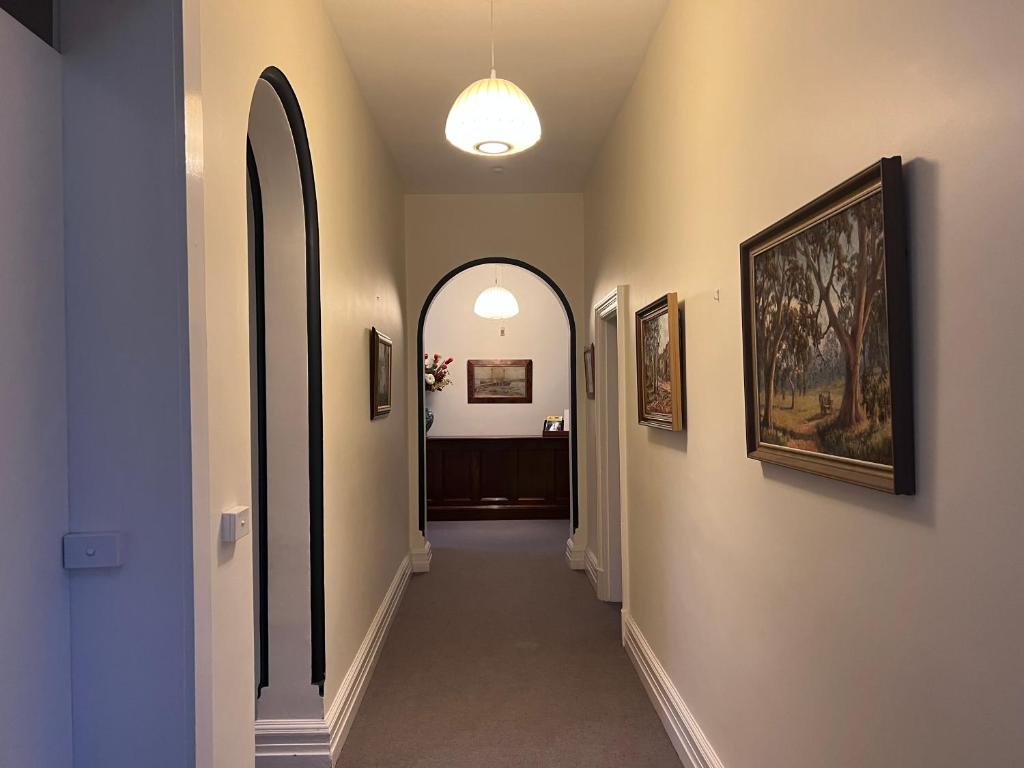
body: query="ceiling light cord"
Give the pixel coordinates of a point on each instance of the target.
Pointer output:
(493, 71)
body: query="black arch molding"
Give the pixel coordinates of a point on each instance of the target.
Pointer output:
(275, 78)
(260, 299)
(574, 453)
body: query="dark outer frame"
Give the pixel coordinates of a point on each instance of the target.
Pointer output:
(472, 365)
(377, 340)
(888, 174)
(589, 371)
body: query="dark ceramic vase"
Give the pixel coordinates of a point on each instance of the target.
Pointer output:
(428, 418)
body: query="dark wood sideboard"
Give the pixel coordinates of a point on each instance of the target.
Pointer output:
(497, 478)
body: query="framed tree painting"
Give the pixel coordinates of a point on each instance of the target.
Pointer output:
(588, 370)
(499, 381)
(659, 368)
(826, 336)
(380, 374)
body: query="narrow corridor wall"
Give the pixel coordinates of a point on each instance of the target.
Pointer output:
(805, 622)
(35, 646)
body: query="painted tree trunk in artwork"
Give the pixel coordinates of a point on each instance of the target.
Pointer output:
(850, 412)
(863, 281)
(768, 420)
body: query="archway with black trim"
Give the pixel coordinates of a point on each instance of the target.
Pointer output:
(573, 426)
(284, 307)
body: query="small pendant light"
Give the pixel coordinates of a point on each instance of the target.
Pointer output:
(496, 303)
(492, 116)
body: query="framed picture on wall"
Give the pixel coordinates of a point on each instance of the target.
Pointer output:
(380, 374)
(659, 368)
(588, 369)
(499, 381)
(826, 336)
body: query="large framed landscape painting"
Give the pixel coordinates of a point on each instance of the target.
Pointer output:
(659, 368)
(380, 374)
(826, 336)
(499, 381)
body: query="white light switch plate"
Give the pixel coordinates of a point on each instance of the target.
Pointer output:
(235, 524)
(93, 550)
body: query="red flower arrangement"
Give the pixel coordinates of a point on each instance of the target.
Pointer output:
(435, 373)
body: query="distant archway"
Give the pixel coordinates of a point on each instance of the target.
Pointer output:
(574, 442)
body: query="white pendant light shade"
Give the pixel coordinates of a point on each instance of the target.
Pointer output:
(493, 117)
(496, 303)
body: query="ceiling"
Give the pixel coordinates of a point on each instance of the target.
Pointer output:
(576, 59)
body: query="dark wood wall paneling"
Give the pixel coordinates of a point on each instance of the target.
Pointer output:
(37, 15)
(497, 478)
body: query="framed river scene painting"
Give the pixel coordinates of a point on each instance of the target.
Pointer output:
(659, 368)
(499, 381)
(826, 336)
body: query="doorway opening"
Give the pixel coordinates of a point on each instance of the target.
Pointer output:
(607, 550)
(520, 479)
(287, 398)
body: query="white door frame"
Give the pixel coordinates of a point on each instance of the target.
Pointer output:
(601, 561)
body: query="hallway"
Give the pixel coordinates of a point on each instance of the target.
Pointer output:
(354, 353)
(502, 657)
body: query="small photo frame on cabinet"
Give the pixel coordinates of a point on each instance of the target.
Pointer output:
(588, 370)
(660, 382)
(554, 425)
(380, 374)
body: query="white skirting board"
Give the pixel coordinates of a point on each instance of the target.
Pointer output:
(692, 746)
(317, 743)
(594, 572)
(574, 555)
(293, 743)
(421, 557)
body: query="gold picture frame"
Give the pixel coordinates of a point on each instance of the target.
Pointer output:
(660, 383)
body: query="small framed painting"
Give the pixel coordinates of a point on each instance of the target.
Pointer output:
(499, 381)
(826, 336)
(380, 374)
(588, 369)
(659, 367)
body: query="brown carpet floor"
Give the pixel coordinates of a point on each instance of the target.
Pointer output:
(502, 656)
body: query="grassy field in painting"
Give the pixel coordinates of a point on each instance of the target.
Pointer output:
(799, 423)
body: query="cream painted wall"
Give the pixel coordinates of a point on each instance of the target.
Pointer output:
(35, 644)
(443, 232)
(227, 44)
(540, 332)
(809, 623)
